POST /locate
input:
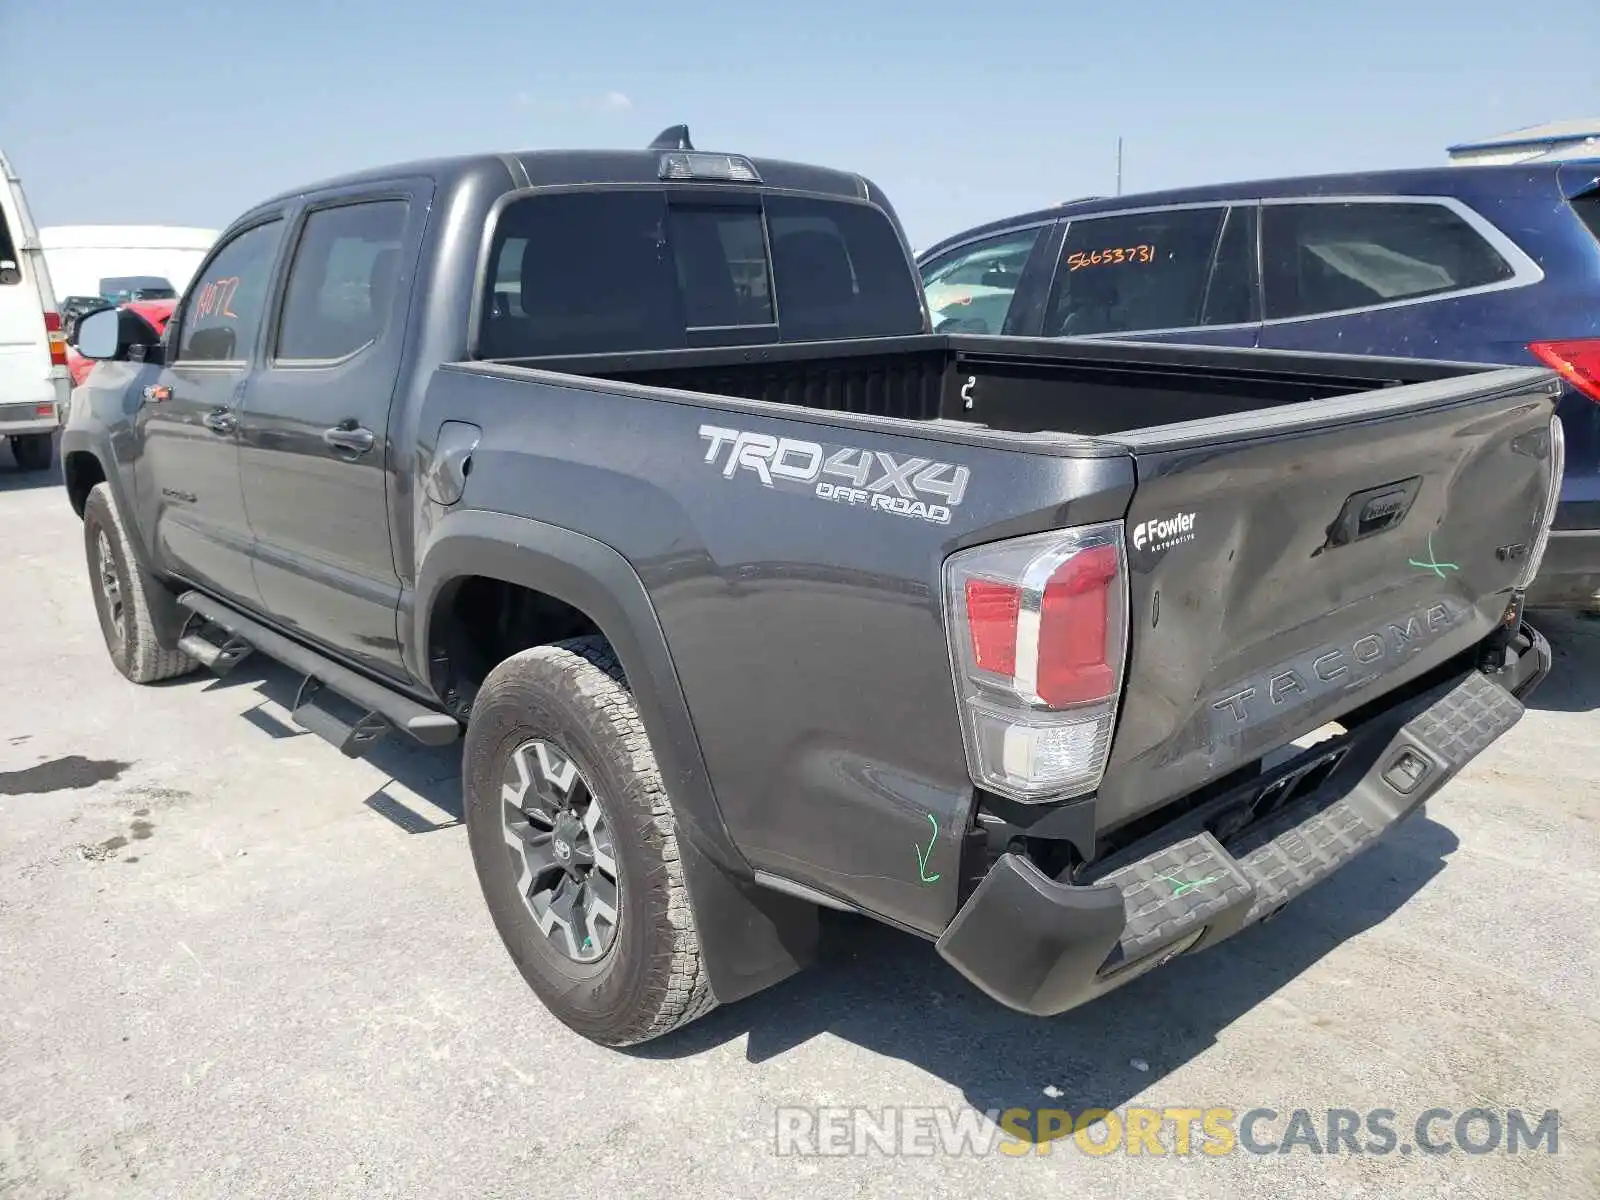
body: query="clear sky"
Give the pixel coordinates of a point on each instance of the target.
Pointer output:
(185, 112)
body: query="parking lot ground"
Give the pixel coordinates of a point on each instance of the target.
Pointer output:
(234, 963)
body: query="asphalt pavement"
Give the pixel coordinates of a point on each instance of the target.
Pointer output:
(234, 963)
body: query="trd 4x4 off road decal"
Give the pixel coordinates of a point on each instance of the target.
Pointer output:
(907, 487)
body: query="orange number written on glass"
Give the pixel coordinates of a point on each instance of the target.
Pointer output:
(1116, 254)
(216, 298)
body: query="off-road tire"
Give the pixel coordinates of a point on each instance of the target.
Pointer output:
(574, 696)
(33, 451)
(137, 653)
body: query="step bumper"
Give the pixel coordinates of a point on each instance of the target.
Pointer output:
(1043, 947)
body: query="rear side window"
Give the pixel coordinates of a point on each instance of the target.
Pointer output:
(1137, 271)
(598, 272)
(10, 268)
(1323, 258)
(342, 281)
(222, 312)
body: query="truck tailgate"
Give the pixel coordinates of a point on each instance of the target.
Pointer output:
(1291, 564)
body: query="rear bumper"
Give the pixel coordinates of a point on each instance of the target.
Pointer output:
(37, 425)
(36, 408)
(1043, 947)
(1569, 575)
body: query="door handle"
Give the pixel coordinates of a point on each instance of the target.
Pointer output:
(220, 421)
(157, 392)
(347, 435)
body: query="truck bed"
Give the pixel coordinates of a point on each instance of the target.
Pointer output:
(1087, 388)
(1305, 533)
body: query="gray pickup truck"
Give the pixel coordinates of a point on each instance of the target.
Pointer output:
(754, 596)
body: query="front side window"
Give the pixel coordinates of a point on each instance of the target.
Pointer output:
(603, 272)
(223, 310)
(1323, 258)
(342, 281)
(1138, 271)
(970, 290)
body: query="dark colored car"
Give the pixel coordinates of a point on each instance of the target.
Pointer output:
(1495, 264)
(756, 596)
(75, 308)
(119, 289)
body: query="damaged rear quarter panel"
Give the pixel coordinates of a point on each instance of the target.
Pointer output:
(806, 628)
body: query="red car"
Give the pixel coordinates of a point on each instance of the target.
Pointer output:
(157, 312)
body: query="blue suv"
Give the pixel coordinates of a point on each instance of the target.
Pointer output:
(1484, 264)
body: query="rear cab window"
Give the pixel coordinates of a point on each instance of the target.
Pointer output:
(605, 271)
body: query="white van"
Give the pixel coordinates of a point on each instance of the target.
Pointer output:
(33, 352)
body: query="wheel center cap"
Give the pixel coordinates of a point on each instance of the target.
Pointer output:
(564, 840)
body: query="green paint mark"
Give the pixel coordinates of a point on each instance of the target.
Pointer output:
(924, 855)
(1182, 887)
(1438, 568)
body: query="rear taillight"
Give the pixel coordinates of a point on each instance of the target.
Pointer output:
(1038, 632)
(58, 340)
(1552, 497)
(1577, 361)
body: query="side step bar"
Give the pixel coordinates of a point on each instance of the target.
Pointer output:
(383, 708)
(219, 654)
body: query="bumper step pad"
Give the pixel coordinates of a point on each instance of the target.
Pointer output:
(1175, 891)
(1295, 849)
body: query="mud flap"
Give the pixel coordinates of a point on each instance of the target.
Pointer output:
(750, 937)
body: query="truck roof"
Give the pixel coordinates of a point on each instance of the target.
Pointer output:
(546, 168)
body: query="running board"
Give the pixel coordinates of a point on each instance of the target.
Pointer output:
(383, 707)
(313, 712)
(212, 646)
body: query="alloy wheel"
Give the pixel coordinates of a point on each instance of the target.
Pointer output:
(561, 842)
(110, 586)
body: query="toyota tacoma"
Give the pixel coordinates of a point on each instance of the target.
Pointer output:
(643, 473)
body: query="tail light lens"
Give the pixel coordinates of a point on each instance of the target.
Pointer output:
(1038, 632)
(1577, 361)
(1558, 465)
(58, 339)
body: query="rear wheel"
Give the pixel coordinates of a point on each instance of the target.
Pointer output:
(124, 596)
(33, 451)
(575, 844)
